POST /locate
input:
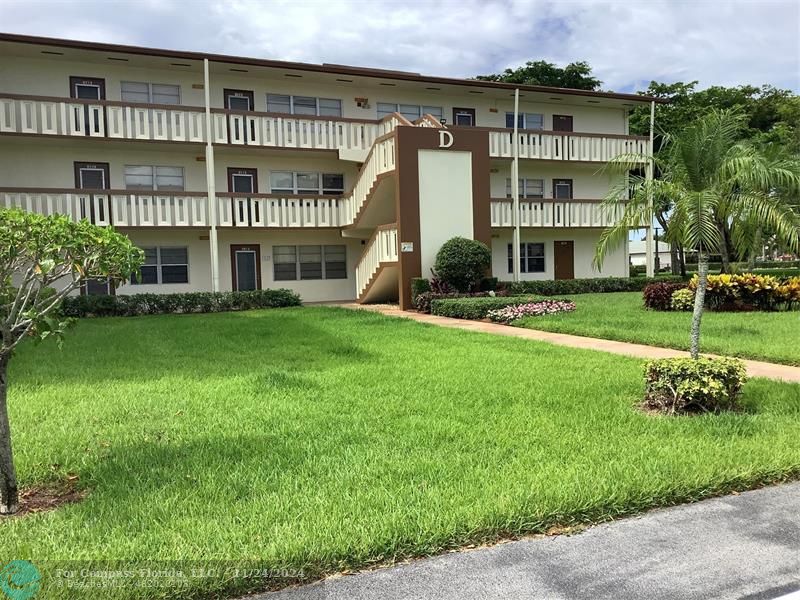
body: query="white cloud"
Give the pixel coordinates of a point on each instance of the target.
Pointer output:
(628, 43)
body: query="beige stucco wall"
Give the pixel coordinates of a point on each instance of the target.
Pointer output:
(310, 291)
(615, 265)
(50, 77)
(588, 181)
(199, 259)
(28, 162)
(445, 201)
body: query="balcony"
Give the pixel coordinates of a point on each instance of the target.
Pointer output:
(563, 146)
(70, 117)
(554, 213)
(124, 208)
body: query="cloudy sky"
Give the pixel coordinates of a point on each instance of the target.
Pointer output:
(627, 42)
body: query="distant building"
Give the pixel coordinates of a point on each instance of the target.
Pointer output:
(636, 250)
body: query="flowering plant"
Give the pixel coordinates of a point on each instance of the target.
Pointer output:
(509, 314)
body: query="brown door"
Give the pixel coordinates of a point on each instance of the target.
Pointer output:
(239, 99)
(242, 181)
(562, 189)
(564, 256)
(245, 267)
(464, 117)
(562, 122)
(93, 176)
(89, 88)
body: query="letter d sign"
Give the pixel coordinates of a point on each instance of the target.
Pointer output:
(445, 138)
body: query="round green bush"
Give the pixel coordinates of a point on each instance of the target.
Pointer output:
(462, 263)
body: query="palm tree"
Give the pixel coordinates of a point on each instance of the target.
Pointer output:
(717, 186)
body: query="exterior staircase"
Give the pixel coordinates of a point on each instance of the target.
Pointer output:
(377, 269)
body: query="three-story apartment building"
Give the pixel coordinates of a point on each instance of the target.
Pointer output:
(338, 182)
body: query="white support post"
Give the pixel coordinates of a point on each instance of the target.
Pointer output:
(650, 268)
(515, 243)
(211, 186)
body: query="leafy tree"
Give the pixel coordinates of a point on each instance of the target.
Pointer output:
(462, 263)
(770, 120)
(576, 75)
(710, 177)
(37, 252)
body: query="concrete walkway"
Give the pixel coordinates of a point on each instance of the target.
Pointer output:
(755, 368)
(737, 547)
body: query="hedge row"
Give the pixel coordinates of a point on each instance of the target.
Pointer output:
(194, 302)
(586, 286)
(475, 308)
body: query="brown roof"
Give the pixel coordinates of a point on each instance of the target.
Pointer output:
(323, 68)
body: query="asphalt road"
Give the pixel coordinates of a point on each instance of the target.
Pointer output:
(744, 547)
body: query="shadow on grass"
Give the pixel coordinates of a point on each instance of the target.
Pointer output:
(285, 341)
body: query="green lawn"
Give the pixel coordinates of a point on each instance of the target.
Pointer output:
(318, 439)
(621, 316)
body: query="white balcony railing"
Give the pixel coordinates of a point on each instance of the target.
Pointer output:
(555, 213)
(41, 115)
(271, 210)
(123, 208)
(381, 249)
(35, 115)
(556, 145)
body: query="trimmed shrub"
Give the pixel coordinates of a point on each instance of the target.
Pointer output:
(749, 291)
(419, 285)
(512, 313)
(658, 296)
(488, 284)
(682, 299)
(568, 287)
(462, 263)
(685, 385)
(472, 307)
(193, 302)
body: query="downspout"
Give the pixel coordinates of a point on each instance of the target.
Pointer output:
(650, 269)
(515, 249)
(211, 186)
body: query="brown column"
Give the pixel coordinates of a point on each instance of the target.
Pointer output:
(409, 141)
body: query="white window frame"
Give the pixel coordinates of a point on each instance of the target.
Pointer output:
(297, 270)
(154, 175)
(524, 255)
(150, 85)
(523, 187)
(421, 108)
(159, 265)
(295, 190)
(524, 116)
(316, 104)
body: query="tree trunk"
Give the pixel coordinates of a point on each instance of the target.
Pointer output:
(9, 495)
(699, 303)
(682, 258)
(673, 259)
(723, 250)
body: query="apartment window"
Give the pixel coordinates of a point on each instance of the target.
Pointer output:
(528, 188)
(149, 177)
(164, 264)
(531, 258)
(284, 261)
(291, 263)
(412, 112)
(304, 105)
(297, 182)
(150, 93)
(525, 120)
